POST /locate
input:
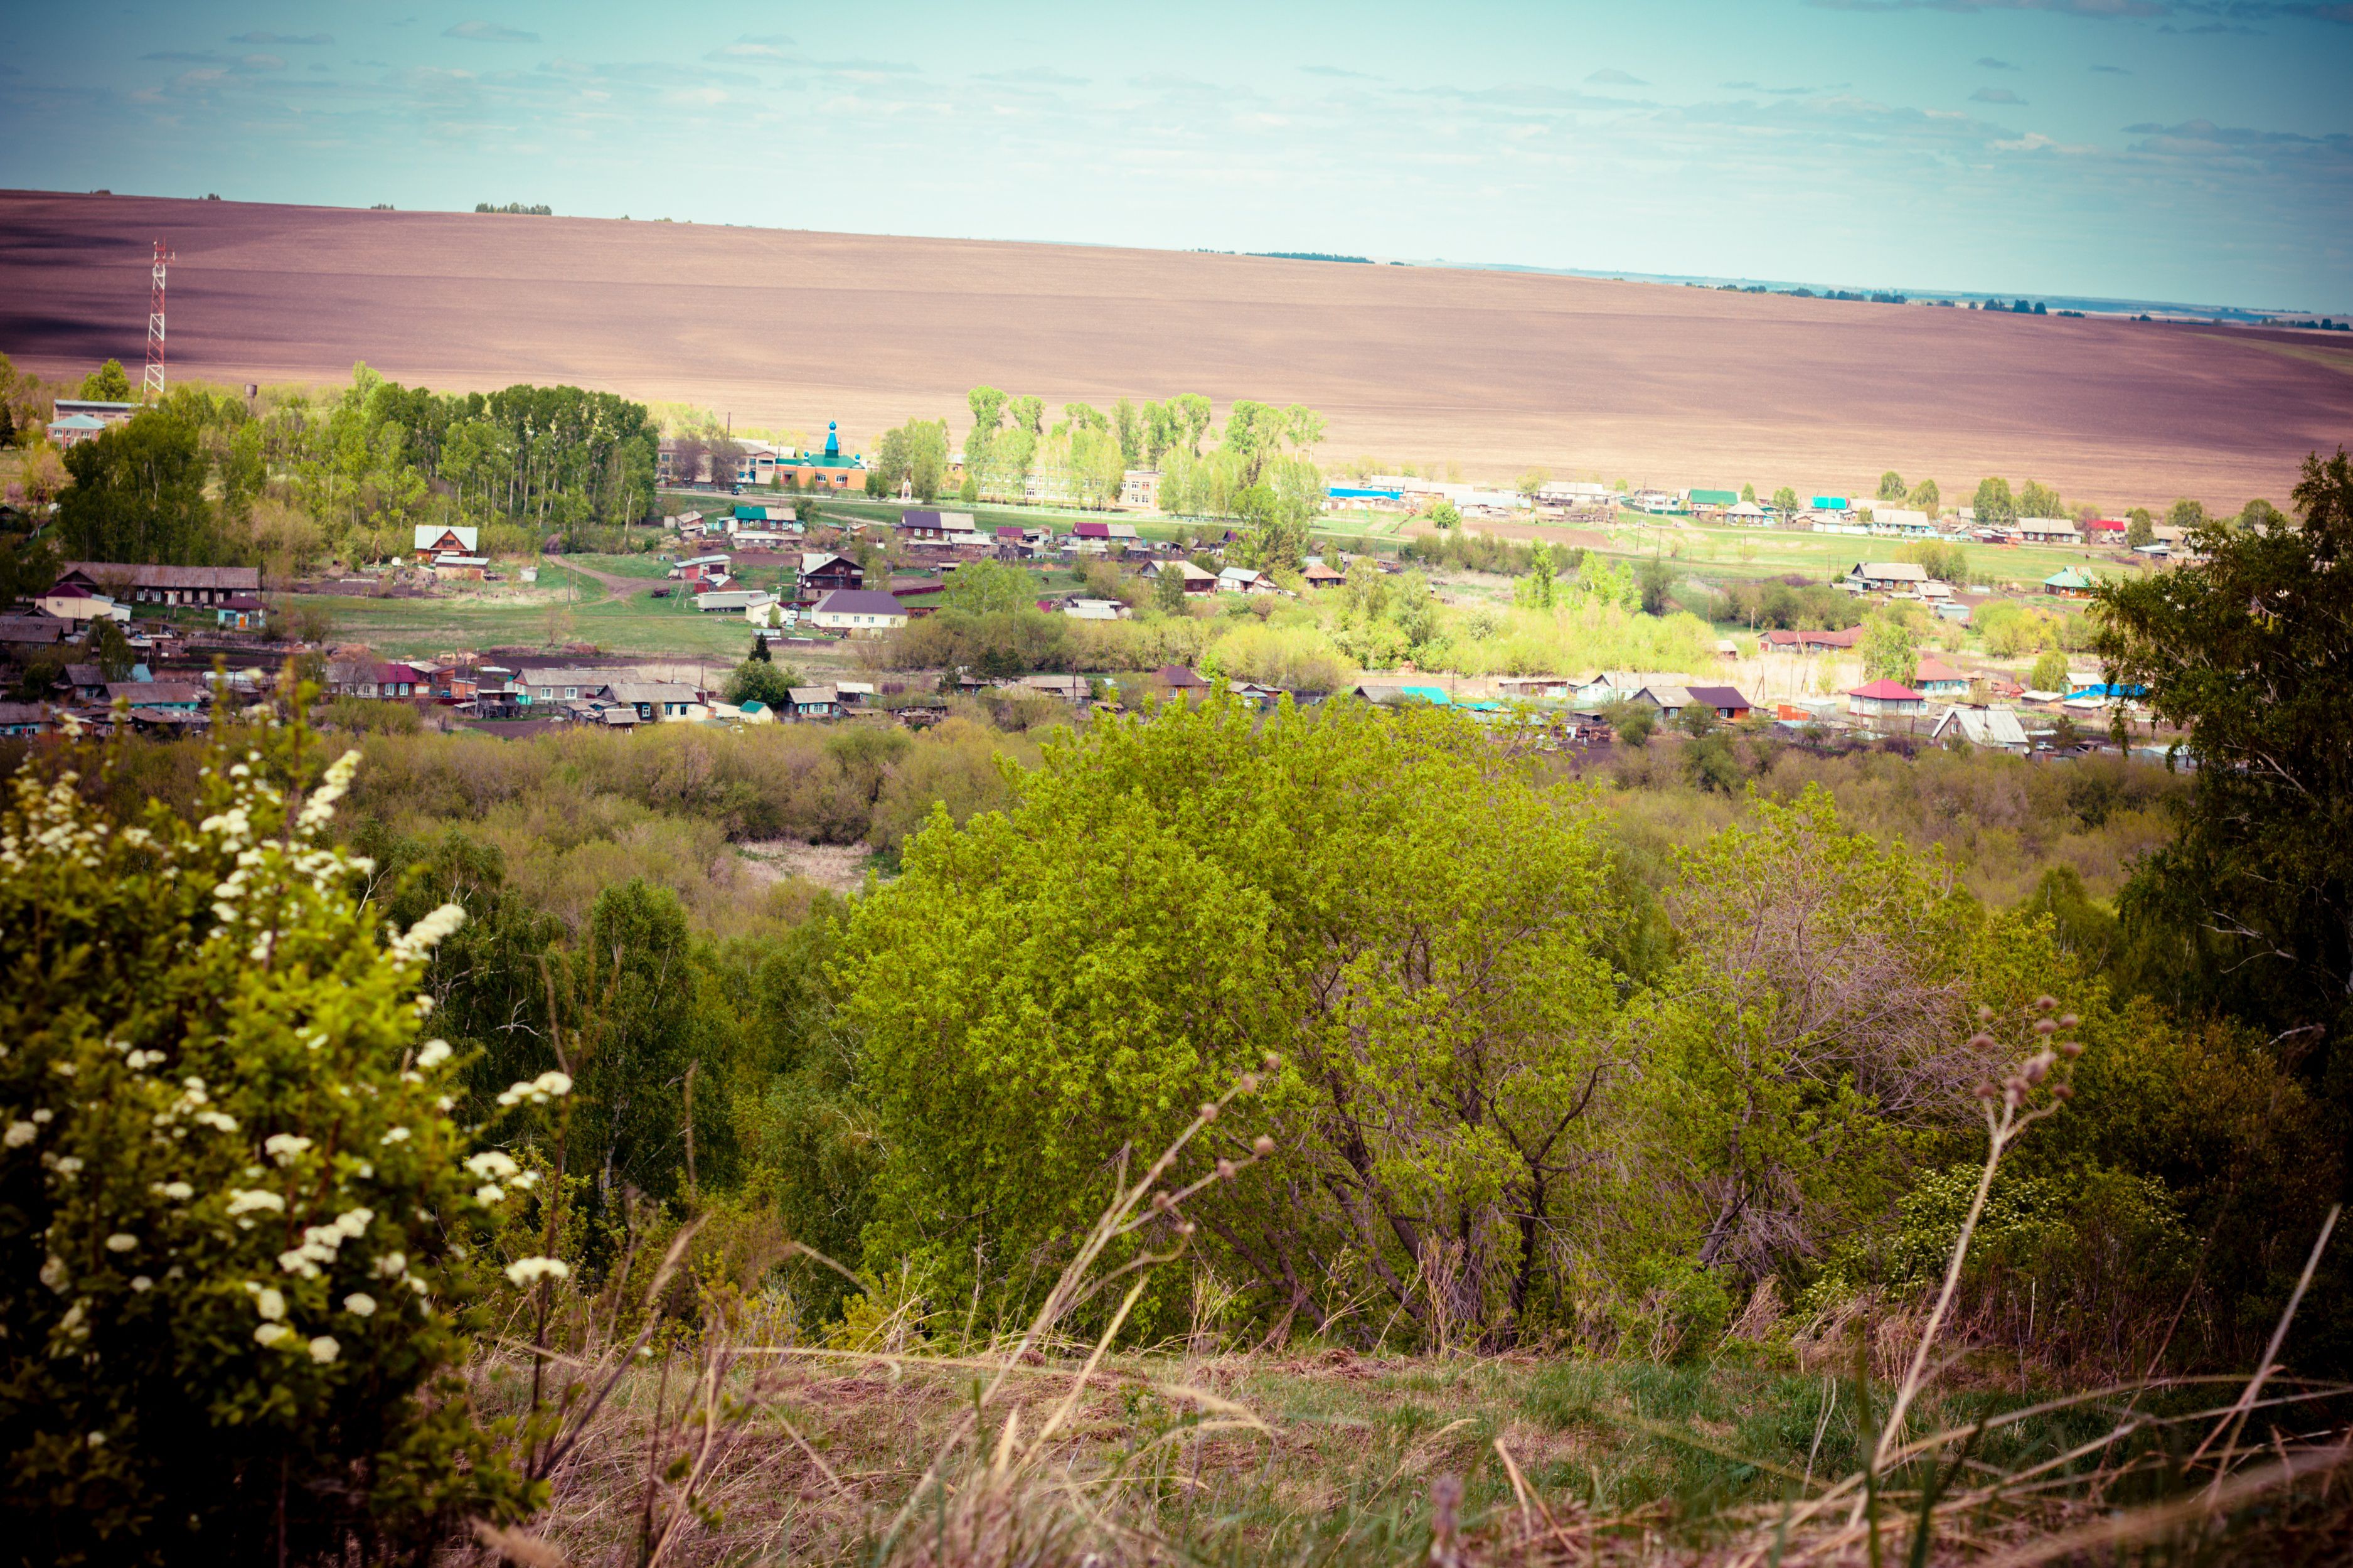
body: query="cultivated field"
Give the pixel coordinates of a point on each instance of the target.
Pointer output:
(1494, 370)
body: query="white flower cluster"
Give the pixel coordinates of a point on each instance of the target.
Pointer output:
(528, 1271)
(539, 1091)
(192, 1097)
(53, 825)
(285, 1147)
(320, 808)
(322, 1243)
(421, 938)
(248, 1200)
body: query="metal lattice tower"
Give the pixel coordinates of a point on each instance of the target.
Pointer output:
(151, 385)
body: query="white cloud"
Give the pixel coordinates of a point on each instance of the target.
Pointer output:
(489, 33)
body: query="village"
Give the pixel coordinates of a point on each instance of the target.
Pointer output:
(159, 647)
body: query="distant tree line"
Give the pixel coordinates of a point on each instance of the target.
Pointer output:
(199, 478)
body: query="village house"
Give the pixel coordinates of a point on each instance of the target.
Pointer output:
(1902, 521)
(655, 702)
(1886, 577)
(240, 612)
(1729, 705)
(434, 540)
(732, 601)
(378, 680)
(1726, 702)
(822, 574)
(695, 568)
(860, 613)
(1884, 698)
(1802, 642)
(1670, 701)
(810, 702)
(164, 696)
(22, 719)
(2048, 531)
(460, 568)
(1195, 579)
(1243, 580)
(31, 631)
(71, 601)
(557, 686)
(1177, 678)
(1989, 728)
(79, 419)
(1605, 686)
(1140, 487)
(2069, 582)
(1318, 575)
(163, 585)
(1935, 677)
(1071, 689)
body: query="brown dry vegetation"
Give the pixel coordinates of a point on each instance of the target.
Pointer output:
(1496, 371)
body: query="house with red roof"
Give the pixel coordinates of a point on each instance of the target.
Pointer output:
(1885, 698)
(1935, 677)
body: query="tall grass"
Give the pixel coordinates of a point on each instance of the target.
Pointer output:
(909, 1435)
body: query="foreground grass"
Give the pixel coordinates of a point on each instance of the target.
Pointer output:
(1320, 1457)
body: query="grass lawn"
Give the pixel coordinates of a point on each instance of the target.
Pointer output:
(404, 628)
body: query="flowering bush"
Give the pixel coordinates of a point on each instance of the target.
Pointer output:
(232, 1199)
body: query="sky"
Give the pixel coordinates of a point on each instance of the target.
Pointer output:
(2193, 151)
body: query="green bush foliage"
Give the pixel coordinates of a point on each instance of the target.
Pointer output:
(232, 1195)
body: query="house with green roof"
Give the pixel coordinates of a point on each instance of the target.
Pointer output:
(2069, 582)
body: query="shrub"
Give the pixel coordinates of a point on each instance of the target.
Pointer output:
(227, 1191)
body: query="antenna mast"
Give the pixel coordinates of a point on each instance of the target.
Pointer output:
(152, 384)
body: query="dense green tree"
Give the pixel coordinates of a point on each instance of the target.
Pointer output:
(27, 566)
(110, 650)
(2050, 672)
(2186, 513)
(1925, 497)
(1657, 581)
(1129, 428)
(2251, 651)
(989, 587)
(1275, 887)
(1891, 650)
(1632, 722)
(108, 384)
(646, 1008)
(138, 496)
(2140, 528)
(762, 680)
(1891, 486)
(2036, 499)
(914, 454)
(1192, 414)
(1993, 504)
(1785, 500)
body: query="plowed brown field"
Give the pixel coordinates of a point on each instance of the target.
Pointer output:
(1497, 371)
